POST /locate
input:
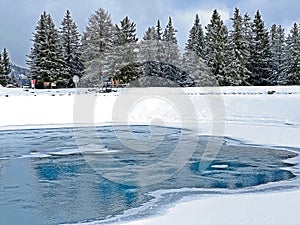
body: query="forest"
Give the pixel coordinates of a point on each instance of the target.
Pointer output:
(246, 54)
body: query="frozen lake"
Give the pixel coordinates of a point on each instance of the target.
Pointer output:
(49, 176)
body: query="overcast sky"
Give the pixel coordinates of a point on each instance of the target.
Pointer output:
(18, 18)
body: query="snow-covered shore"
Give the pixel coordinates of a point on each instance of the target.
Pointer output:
(246, 209)
(258, 115)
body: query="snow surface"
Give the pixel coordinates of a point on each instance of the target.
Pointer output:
(255, 115)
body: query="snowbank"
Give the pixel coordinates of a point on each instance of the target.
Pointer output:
(260, 115)
(250, 209)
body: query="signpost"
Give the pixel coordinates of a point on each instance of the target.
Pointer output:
(76, 80)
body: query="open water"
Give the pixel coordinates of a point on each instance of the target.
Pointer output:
(61, 176)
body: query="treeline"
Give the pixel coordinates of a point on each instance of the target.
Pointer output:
(247, 54)
(4, 67)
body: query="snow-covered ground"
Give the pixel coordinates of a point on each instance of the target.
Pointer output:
(258, 115)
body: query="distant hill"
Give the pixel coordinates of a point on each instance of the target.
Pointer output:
(19, 76)
(20, 70)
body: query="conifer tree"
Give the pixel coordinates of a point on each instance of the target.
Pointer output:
(97, 39)
(2, 76)
(293, 56)
(151, 46)
(6, 62)
(159, 31)
(1, 64)
(158, 49)
(125, 51)
(260, 66)
(46, 59)
(197, 70)
(70, 40)
(126, 32)
(278, 57)
(247, 34)
(35, 61)
(195, 42)
(148, 46)
(149, 34)
(170, 45)
(216, 47)
(238, 54)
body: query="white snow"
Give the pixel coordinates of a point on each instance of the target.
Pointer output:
(251, 114)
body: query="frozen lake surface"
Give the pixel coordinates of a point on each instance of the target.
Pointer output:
(45, 178)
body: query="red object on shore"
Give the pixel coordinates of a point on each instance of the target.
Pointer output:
(33, 83)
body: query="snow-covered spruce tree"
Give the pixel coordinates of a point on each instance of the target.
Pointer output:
(148, 46)
(197, 70)
(238, 53)
(34, 61)
(216, 39)
(260, 54)
(46, 59)
(192, 62)
(159, 31)
(96, 40)
(70, 41)
(278, 57)
(293, 56)
(170, 49)
(6, 62)
(151, 47)
(195, 43)
(1, 64)
(151, 54)
(2, 76)
(161, 54)
(149, 34)
(124, 52)
(247, 33)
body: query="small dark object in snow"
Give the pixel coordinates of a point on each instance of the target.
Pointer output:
(6, 95)
(271, 92)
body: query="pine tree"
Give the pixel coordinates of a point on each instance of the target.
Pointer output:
(2, 76)
(197, 70)
(6, 62)
(238, 54)
(170, 49)
(158, 49)
(247, 33)
(46, 59)
(70, 40)
(147, 46)
(39, 41)
(293, 56)
(149, 34)
(195, 42)
(260, 66)
(126, 32)
(125, 51)
(159, 31)
(1, 64)
(97, 39)
(151, 46)
(278, 57)
(216, 47)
